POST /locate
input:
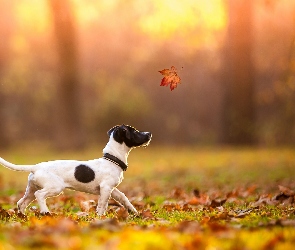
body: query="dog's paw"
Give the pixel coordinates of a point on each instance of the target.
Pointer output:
(21, 215)
(133, 211)
(45, 214)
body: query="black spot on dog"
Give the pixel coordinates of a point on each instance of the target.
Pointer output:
(84, 174)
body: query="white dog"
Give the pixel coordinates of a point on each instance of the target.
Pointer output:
(100, 176)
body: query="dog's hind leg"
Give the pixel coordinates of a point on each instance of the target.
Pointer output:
(42, 194)
(50, 185)
(29, 196)
(121, 198)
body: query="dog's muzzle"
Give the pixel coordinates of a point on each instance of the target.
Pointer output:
(149, 135)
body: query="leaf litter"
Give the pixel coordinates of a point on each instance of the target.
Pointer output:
(194, 214)
(194, 217)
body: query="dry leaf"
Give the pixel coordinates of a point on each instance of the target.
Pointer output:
(170, 78)
(110, 224)
(147, 214)
(122, 213)
(86, 206)
(286, 191)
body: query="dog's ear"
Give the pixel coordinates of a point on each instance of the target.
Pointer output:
(112, 130)
(124, 131)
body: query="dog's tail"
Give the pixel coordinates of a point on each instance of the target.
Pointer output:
(29, 168)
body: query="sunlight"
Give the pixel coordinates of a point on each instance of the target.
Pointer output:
(193, 21)
(33, 17)
(168, 18)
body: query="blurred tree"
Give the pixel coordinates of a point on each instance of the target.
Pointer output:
(238, 76)
(68, 117)
(286, 101)
(4, 45)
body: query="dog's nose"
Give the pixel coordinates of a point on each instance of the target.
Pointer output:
(149, 134)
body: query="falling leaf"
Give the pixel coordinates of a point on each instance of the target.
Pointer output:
(170, 78)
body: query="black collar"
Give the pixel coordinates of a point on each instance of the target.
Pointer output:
(115, 160)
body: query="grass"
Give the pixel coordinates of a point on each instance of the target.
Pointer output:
(169, 186)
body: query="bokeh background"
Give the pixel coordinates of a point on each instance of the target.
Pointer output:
(71, 69)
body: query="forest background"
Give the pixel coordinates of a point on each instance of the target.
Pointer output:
(70, 70)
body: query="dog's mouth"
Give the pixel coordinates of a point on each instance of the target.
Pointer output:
(148, 142)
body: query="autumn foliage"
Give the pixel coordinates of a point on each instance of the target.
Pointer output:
(170, 78)
(192, 199)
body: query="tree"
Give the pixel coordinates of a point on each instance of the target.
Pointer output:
(68, 117)
(4, 45)
(238, 77)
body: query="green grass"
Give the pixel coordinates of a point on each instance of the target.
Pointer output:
(160, 182)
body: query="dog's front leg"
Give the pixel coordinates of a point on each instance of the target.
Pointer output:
(105, 193)
(121, 198)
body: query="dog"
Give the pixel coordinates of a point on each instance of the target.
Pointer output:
(99, 176)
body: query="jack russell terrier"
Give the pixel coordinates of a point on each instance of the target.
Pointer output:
(100, 176)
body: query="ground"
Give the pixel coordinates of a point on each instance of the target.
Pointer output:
(188, 198)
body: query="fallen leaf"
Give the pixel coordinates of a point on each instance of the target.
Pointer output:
(217, 202)
(10, 212)
(242, 213)
(178, 193)
(170, 78)
(286, 191)
(274, 241)
(86, 206)
(190, 227)
(110, 224)
(82, 214)
(286, 223)
(172, 206)
(147, 214)
(215, 226)
(122, 213)
(196, 193)
(203, 199)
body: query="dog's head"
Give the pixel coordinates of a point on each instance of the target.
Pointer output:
(130, 136)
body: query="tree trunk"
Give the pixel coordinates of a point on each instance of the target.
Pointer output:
(5, 7)
(238, 76)
(68, 129)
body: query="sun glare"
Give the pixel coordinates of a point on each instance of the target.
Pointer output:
(169, 18)
(194, 21)
(33, 17)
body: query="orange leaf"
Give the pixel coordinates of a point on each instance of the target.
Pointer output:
(147, 214)
(122, 213)
(87, 206)
(170, 78)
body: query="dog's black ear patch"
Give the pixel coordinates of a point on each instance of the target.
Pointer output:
(118, 133)
(84, 174)
(112, 130)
